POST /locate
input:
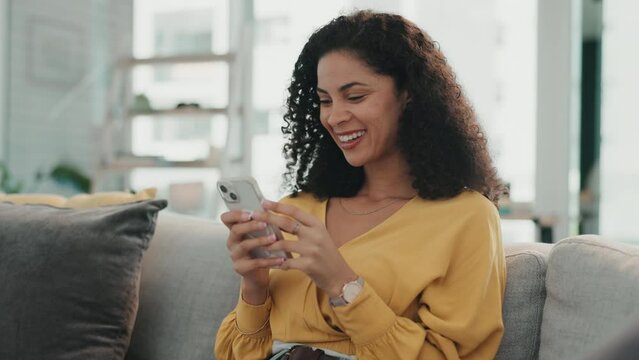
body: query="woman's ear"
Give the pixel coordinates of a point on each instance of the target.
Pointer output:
(405, 98)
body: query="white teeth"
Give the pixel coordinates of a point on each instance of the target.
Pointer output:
(345, 138)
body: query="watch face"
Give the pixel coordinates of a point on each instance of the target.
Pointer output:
(351, 290)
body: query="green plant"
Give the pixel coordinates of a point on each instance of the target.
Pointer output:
(68, 175)
(63, 174)
(8, 183)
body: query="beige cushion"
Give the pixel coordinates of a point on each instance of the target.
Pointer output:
(34, 199)
(109, 198)
(80, 201)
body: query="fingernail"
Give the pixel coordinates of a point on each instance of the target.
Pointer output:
(267, 203)
(262, 225)
(271, 238)
(247, 216)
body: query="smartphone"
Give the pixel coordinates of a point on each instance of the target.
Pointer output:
(242, 193)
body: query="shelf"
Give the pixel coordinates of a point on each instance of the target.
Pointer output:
(178, 59)
(181, 112)
(116, 160)
(133, 162)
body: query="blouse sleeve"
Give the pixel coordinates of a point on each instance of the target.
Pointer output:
(459, 315)
(245, 333)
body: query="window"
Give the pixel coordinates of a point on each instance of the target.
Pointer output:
(180, 113)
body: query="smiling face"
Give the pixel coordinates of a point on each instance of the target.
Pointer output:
(359, 107)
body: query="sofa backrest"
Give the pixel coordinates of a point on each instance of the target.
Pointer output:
(523, 306)
(188, 286)
(592, 293)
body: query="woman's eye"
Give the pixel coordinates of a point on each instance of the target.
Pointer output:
(355, 98)
(324, 102)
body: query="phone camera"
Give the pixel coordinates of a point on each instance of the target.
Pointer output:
(223, 188)
(233, 196)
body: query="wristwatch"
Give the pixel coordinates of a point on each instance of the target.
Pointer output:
(350, 290)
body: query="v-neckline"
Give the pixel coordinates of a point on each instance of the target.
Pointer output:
(324, 211)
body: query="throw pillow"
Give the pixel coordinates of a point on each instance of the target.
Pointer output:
(108, 198)
(81, 200)
(69, 279)
(44, 199)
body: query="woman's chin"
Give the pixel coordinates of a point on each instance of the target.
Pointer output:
(355, 161)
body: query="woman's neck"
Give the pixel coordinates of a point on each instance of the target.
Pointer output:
(389, 178)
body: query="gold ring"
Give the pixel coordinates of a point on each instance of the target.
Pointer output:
(296, 228)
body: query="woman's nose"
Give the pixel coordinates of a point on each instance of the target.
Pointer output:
(338, 114)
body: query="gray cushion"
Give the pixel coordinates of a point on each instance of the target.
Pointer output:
(524, 301)
(592, 293)
(68, 279)
(188, 286)
(622, 346)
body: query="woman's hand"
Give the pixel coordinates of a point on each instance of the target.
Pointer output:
(319, 257)
(254, 272)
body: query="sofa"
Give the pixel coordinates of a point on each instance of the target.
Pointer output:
(131, 281)
(563, 300)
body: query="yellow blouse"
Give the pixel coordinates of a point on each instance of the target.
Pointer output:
(434, 277)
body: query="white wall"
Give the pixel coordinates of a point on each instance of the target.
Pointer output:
(60, 56)
(558, 96)
(619, 121)
(3, 72)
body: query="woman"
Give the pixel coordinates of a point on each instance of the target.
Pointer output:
(392, 217)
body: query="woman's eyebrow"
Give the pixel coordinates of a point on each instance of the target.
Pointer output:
(343, 87)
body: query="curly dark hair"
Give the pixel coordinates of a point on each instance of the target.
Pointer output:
(439, 135)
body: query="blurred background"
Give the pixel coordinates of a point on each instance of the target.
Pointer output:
(99, 95)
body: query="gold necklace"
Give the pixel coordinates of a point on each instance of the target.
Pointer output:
(369, 212)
